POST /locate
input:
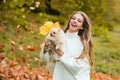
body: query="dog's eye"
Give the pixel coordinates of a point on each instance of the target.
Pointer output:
(53, 32)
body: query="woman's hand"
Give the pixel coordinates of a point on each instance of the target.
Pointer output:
(46, 45)
(59, 52)
(49, 44)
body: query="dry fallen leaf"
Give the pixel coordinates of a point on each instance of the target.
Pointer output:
(12, 43)
(20, 47)
(31, 48)
(37, 4)
(19, 30)
(2, 28)
(1, 46)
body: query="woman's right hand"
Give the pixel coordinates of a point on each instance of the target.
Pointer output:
(49, 45)
(46, 45)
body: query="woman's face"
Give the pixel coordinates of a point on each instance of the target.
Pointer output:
(76, 23)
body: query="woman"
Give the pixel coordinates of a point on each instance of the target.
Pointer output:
(76, 59)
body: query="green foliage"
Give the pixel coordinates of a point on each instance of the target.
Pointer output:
(68, 6)
(101, 32)
(107, 63)
(98, 11)
(106, 54)
(41, 18)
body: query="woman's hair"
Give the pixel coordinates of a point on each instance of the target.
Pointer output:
(85, 36)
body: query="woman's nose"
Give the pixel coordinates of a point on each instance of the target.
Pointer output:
(74, 21)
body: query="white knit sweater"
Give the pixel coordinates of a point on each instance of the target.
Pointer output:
(70, 68)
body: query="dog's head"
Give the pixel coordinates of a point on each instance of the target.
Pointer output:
(55, 32)
(55, 35)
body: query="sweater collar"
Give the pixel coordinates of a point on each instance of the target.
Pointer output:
(72, 34)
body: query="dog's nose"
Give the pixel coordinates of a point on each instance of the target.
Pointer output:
(51, 34)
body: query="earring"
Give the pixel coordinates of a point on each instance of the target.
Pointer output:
(81, 28)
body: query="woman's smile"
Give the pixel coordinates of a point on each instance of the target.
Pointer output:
(73, 24)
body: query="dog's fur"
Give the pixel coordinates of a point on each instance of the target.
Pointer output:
(56, 37)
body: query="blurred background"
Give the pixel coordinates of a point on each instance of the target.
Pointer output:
(20, 21)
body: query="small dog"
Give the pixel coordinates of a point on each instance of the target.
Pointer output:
(56, 37)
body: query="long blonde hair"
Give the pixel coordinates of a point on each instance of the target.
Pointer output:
(85, 36)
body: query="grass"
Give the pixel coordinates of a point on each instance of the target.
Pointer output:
(107, 53)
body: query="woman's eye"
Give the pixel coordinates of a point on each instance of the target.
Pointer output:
(80, 21)
(73, 18)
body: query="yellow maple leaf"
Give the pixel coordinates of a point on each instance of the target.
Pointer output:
(48, 24)
(55, 25)
(45, 29)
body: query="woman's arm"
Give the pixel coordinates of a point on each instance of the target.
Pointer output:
(72, 64)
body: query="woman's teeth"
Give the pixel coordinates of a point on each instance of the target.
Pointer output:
(74, 25)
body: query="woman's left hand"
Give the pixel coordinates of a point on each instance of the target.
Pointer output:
(59, 52)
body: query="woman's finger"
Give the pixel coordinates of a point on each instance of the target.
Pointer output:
(47, 42)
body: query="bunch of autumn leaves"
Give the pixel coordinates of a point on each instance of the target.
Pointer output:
(12, 70)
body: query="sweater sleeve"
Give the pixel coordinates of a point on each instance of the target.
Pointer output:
(74, 65)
